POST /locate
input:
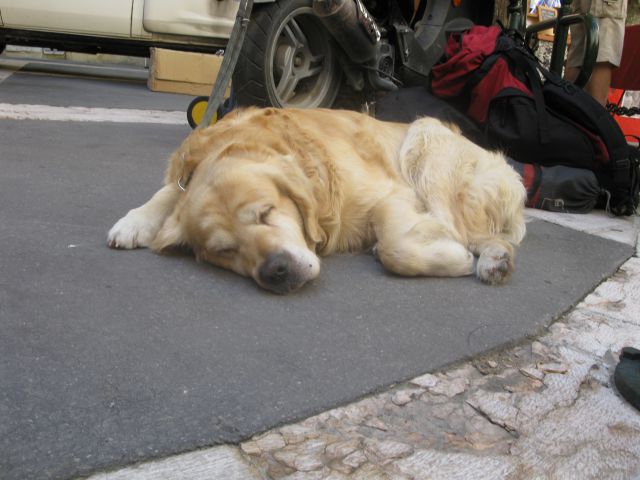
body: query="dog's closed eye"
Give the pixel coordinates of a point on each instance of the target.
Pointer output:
(225, 252)
(263, 214)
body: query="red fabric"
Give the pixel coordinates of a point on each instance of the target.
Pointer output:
(528, 178)
(498, 78)
(465, 53)
(628, 125)
(601, 153)
(615, 96)
(627, 76)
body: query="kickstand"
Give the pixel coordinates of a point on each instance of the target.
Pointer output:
(234, 45)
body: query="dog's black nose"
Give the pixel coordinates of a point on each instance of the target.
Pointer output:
(275, 270)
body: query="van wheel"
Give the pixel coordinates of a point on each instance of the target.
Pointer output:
(287, 59)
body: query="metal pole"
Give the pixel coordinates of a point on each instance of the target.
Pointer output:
(592, 31)
(560, 38)
(234, 45)
(516, 16)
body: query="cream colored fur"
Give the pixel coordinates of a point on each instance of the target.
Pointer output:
(271, 190)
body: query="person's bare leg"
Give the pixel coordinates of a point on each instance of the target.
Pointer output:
(599, 83)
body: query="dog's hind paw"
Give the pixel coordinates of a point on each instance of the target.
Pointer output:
(132, 231)
(495, 266)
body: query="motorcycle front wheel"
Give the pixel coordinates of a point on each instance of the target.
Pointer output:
(287, 59)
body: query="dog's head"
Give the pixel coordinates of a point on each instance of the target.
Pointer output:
(256, 218)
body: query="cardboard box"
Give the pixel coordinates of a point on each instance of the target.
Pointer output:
(183, 72)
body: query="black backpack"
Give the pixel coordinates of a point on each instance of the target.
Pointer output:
(535, 116)
(557, 188)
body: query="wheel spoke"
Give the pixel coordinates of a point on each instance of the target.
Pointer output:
(295, 33)
(310, 71)
(288, 80)
(315, 59)
(315, 67)
(287, 87)
(290, 37)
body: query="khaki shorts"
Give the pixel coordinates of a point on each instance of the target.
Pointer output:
(610, 15)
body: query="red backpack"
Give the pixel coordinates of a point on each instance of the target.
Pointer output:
(533, 115)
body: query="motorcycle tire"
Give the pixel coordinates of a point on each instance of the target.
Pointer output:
(288, 59)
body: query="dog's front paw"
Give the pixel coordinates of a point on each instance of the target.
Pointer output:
(133, 230)
(495, 266)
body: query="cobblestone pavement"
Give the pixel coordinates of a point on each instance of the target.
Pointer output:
(546, 409)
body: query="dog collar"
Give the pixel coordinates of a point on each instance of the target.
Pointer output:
(182, 186)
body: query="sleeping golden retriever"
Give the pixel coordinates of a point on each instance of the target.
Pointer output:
(265, 191)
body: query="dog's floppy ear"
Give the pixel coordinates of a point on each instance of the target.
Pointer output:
(292, 181)
(170, 234)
